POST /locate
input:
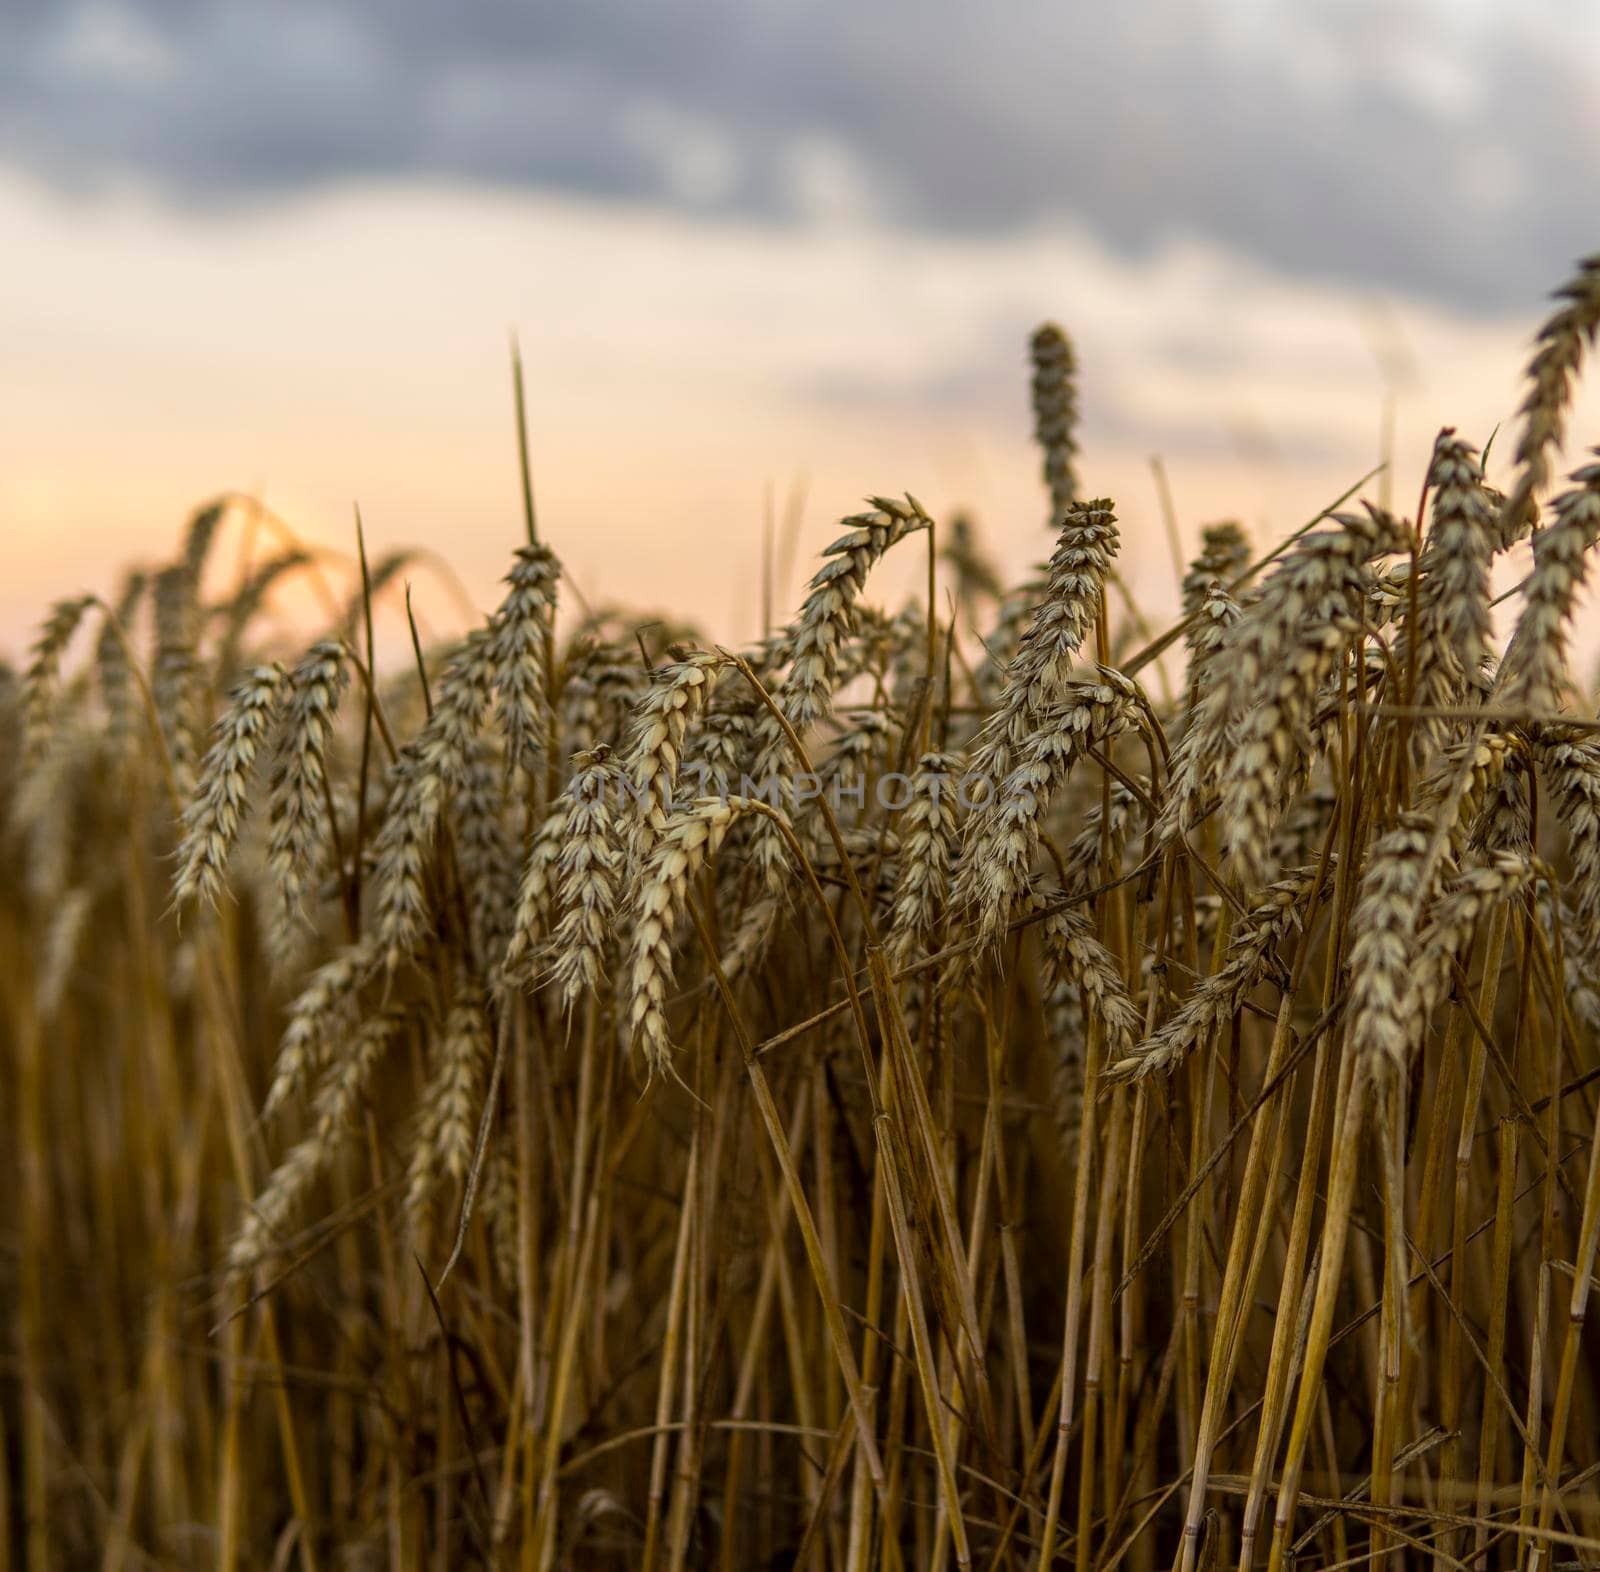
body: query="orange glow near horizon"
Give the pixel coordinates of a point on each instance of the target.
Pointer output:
(351, 347)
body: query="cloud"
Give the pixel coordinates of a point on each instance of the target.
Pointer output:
(1449, 151)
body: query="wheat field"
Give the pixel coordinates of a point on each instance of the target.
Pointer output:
(988, 1083)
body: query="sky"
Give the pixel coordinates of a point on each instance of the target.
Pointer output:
(756, 249)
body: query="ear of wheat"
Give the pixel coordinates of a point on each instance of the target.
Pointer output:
(689, 839)
(44, 666)
(590, 878)
(1452, 637)
(1072, 597)
(212, 820)
(299, 793)
(1055, 413)
(1533, 675)
(429, 767)
(1223, 557)
(520, 631)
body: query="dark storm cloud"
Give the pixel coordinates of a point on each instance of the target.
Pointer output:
(1456, 154)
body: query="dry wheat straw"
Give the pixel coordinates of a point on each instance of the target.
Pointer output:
(626, 1278)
